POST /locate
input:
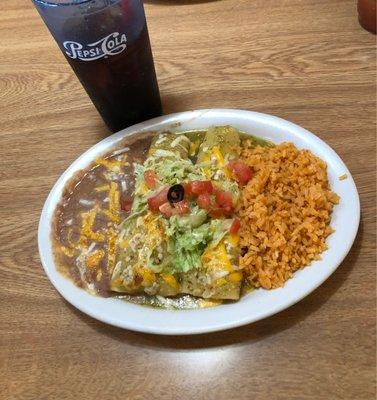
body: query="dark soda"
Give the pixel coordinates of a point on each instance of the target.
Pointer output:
(123, 87)
(106, 42)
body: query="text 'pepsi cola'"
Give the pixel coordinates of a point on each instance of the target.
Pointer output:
(106, 42)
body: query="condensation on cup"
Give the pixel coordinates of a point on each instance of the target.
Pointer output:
(106, 42)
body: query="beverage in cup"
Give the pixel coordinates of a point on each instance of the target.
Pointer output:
(106, 42)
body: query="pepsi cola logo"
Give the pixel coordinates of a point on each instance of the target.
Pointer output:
(110, 45)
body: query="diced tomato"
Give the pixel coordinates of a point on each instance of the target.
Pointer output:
(166, 209)
(158, 200)
(200, 187)
(234, 228)
(216, 212)
(188, 190)
(219, 212)
(182, 207)
(224, 199)
(204, 201)
(228, 210)
(224, 204)
(195, 188)
(126, 205)
(241, 171)
(150, 178)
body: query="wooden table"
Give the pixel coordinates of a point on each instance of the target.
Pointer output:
(303, 60)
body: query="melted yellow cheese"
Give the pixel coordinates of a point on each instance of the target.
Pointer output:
(233, 239)
(123, 244)
(235, 276)
(217, 258)
(227, 173)
(171, 281)
(149, 277)
(219, 156)
(220, 163)
(220, 282)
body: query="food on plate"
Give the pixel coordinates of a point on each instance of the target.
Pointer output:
(285, 212)
(85, 223)
(196, 217)
(177, 237)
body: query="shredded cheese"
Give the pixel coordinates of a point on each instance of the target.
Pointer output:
(114, 203)
(111, 242)
(102, 188)
(93, 260)
(87, 228)
(66, 251)
(113, 164)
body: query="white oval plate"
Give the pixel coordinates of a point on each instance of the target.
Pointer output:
(257, 304)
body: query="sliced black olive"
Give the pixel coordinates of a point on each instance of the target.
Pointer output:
(176, 193)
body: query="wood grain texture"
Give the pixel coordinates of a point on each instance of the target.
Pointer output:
(306, 61)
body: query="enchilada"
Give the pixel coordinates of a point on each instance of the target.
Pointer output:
(168, 247)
